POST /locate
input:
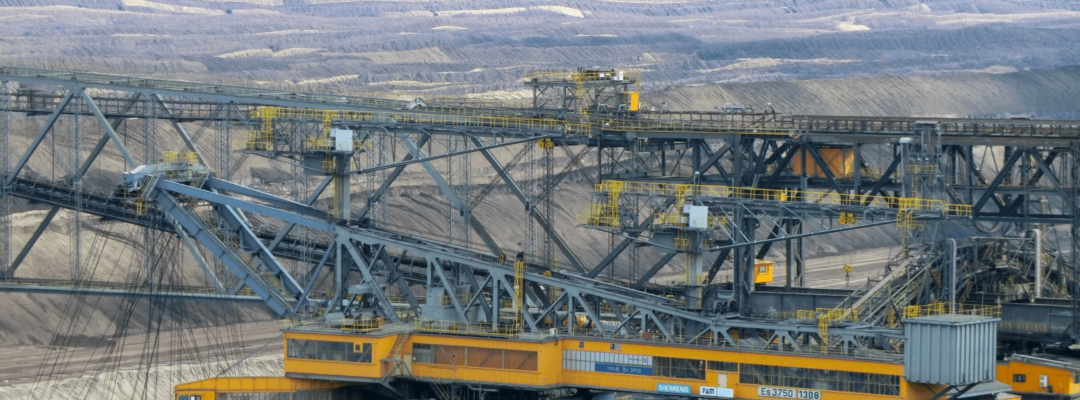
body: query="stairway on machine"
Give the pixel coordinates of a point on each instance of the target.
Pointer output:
(396, 357)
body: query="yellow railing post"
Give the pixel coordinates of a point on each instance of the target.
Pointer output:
(519, 291)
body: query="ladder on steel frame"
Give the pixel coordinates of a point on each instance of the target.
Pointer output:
(894, 298)
(232, 250)
(200, 180)
(443, 392)
(396, 355)
(148, 185)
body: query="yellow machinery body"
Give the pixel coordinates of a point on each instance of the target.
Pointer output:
(763, 271)
(328, 358)
(255, 388)
(632, 100)
(841, 162)
(1043, 376)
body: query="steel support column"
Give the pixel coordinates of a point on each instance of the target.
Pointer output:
(40, 136)
(209, 272)
(180, 129)
(656, 268)
(309, 201)
(105, 125)
(10, 273)
(368, 277)
(555, 238)
(448, 191)
(375, 197)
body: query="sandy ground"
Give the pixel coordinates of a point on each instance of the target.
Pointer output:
(254, 349)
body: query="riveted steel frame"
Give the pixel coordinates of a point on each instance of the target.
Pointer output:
(581, 295)
(749, 155)
(766, 161)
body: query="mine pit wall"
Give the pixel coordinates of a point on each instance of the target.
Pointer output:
(35, 318)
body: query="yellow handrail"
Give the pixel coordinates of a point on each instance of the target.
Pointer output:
(785, 195)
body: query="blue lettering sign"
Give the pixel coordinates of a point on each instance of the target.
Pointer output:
(623, 369)
(672, 388)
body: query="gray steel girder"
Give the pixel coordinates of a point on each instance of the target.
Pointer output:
(78, 174)
(712, 161)
(459, 205)
(395, 277)
(220, 199)
(311, 281)
(180, 129)
(225, 206)
(815, 225)
(107, 127)
(650, 305)
(209, 272)
(555, 238)
(478, 261)
(105, 139)
(449, 119)
(205, 236)
(278, 202)
(215, 93)
(386, 308)
(113, 210)
(10, 273)
(432, 157)
(374, 198)
(610, 258)
(310, 200)
(39, 137)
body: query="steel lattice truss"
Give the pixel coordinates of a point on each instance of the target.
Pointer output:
(931, 161)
